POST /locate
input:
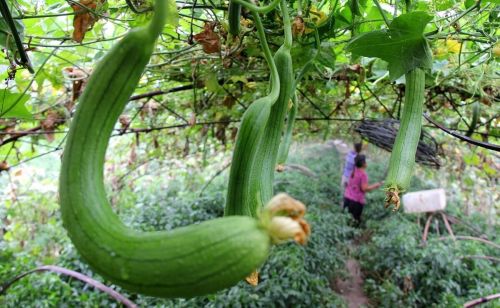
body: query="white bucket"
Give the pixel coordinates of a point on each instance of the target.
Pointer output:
(424, 201)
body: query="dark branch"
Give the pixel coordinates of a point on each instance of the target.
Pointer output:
(25, 61)
(162, 92)
(485, 145)
(379, 101)
(312, 103)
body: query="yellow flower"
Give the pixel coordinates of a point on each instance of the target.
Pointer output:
(453, 46)
(317, 17)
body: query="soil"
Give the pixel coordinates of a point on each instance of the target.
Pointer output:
(351, 288)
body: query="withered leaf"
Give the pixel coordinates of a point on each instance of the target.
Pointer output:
(4, 166)
(51, 121)
(83, 20)
(298, 26)
(208, 39)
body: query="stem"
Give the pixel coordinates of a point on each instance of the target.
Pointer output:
(287, 27)
(381, 10)
(162, 12)
(257, 9)
(275, 80)
(75, 45)
(316, 39)
(20, 17)
(334, 6)
(287, 138)
(19, 44)
(308, 64)
(408, 5)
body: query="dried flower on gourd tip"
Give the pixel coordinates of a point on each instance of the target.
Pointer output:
(282, 229)
(392, 197)
(253, 278)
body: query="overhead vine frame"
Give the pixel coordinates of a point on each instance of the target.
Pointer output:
(382, 133)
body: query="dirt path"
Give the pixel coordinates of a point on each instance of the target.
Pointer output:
(350, 288)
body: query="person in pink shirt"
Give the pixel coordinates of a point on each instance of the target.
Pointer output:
(349, 168)
(357, 187)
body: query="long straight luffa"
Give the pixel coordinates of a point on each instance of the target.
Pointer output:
(402, 161)
(239, 199)
(264, 169)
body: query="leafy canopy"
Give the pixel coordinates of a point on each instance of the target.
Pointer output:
(403, 45)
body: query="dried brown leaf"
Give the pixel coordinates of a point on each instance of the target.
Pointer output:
(83, 20)
(208, 39)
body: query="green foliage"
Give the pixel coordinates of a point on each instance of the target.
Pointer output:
(463, 72)
(30, 231)
(356, 6)
(402, 272)
(326, 56)
(403, 45)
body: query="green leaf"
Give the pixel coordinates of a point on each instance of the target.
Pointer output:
(372, 21)
(403, 45)
(140, 20)
(12, 105)
(472, 159)
(239, 78)
(442, 5)
(343, 18)
(211, 83)
(326, 56)
(328, 26)
(468, 181)
(173, 15)
(489, 171)
(469, 3)
(6, 38)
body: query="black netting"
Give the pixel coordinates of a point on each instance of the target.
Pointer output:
(383, 133)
